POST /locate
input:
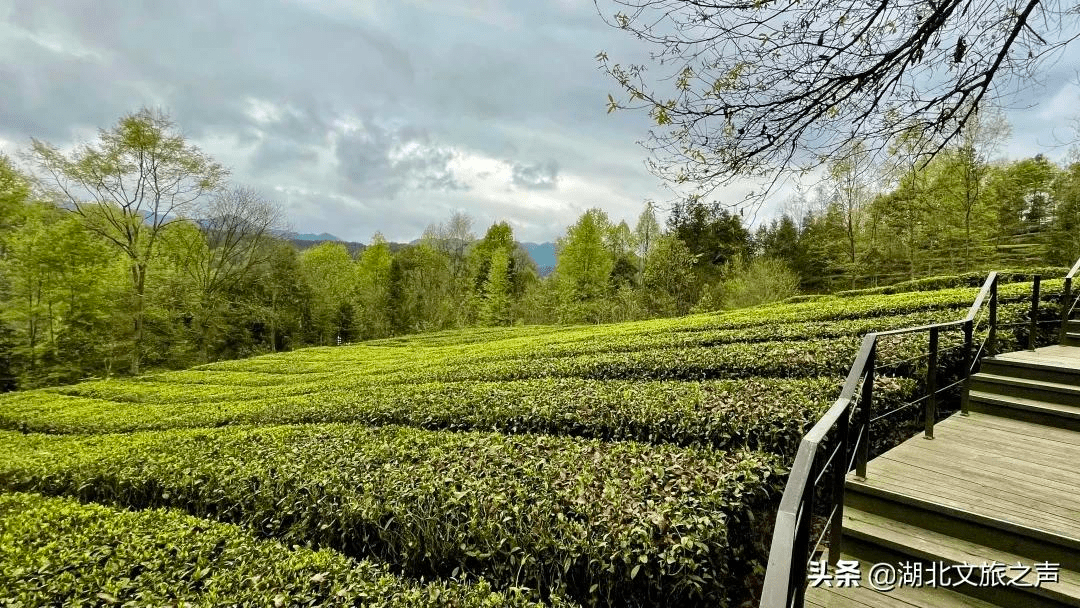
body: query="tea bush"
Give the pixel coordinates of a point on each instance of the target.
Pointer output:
(609, 523)
(56, 551)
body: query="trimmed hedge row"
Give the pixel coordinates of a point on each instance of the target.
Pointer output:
(57, 551)
(376, 356)
(608, 523)
(239, 377)
(466, 336)
(783, 358)
(778, 359)
(836, 308)
(624, 341)
(967, 279)
(437, 397)
(758, 413)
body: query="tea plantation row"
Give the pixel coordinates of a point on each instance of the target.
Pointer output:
(599, 520)
(57, 551)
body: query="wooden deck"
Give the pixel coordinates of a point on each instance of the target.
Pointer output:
(1001, 484)
(1008, 470)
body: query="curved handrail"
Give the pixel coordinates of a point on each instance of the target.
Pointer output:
(777, 586)
(1075, 269)
(789, 546)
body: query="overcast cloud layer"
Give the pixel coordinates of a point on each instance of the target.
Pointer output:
(361, 116)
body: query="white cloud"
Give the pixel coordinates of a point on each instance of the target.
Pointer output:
(263, 111)
(536, 215)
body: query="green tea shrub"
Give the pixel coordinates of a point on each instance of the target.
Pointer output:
(57, 551)
(967, 279)
(620, 523)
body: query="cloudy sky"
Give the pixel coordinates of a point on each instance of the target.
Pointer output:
(360, 116)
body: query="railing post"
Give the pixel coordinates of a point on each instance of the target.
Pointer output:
(969, 362)
(1035, 281)
(840, 470)
(1066, 304)
(800, 552)
(865, 402)
(931, 384)
(991, 339)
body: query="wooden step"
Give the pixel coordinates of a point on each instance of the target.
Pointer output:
(1071, 338)
(1054, 366)
(1013, 386)
(873, 538)
(1062, 416)
(1003, 535)
(1072, 325)
(904, 597)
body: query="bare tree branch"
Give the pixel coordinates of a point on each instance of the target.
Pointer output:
(757, 88)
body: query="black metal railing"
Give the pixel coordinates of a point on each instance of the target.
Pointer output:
(840, 440)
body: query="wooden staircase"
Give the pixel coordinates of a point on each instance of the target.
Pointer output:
(999, 485)
(1071, 335)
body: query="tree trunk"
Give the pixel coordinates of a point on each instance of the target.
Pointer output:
(138, 276)
(273, 321)
(204, 332)
(204, 337)
(967, 241)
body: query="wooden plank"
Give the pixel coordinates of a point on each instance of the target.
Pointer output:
(1004, 381)
(1001, 440)
(1063, 501)
(922, 477)
(993, 441)
(1064, 367)
(827, 598)
(1013, 445)
(967, 453)
(1068, 351)
(993, 509)
(991, 444)
(1011, 471)
(1036, 432)
(844, 598)
(1059, 356)
(1035, 463)
(970, 461)
(941, 547)
(985, 506)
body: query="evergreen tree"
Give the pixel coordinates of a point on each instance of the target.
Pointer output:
(1064, 241)
(669, 283)
(583, 267)
(712, 234)
(495, 307)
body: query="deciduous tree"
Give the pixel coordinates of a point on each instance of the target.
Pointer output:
(328, 271)
(139, 177)
(222, 247)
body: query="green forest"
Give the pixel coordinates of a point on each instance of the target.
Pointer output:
(135, 252)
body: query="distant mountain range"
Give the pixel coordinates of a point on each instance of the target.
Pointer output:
(544, 256)
(326, 236)
(541, 253)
